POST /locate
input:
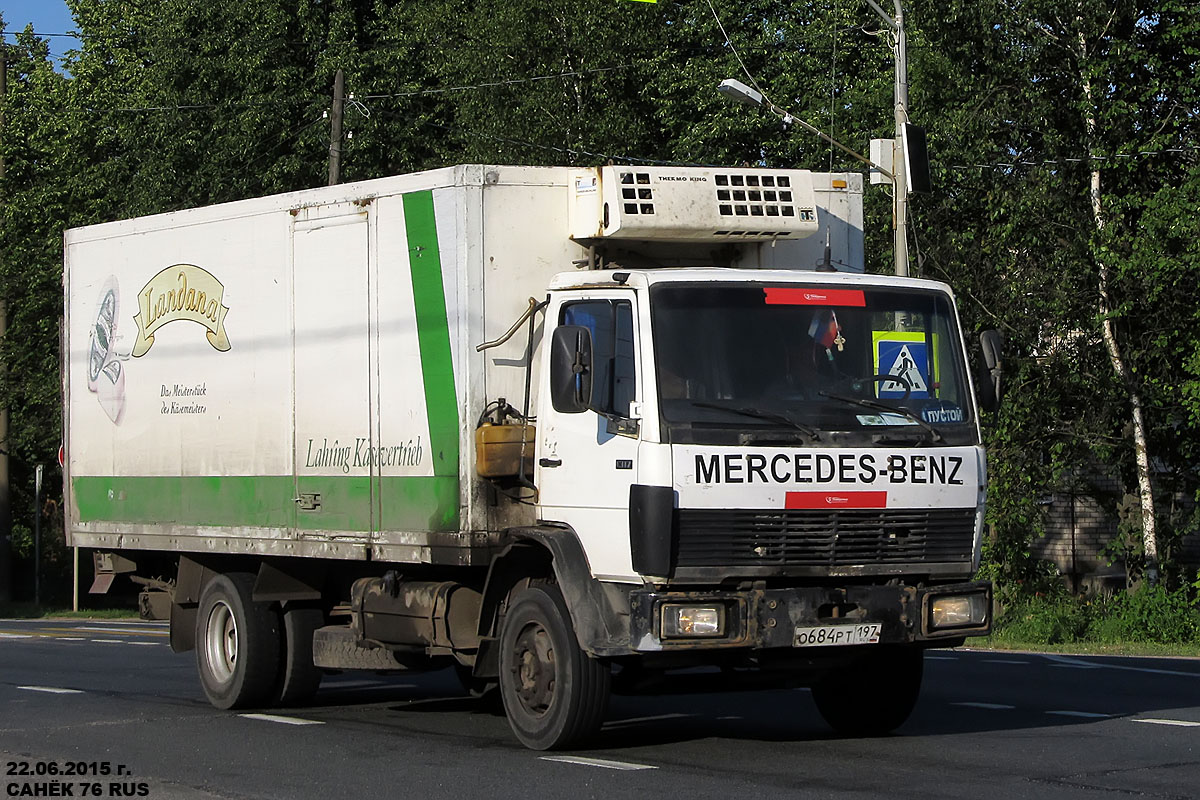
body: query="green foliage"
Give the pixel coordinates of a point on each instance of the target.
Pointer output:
(177, 103)
(1151, 614)
(1044, 620)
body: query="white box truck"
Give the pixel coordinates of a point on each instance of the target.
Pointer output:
(566, 430)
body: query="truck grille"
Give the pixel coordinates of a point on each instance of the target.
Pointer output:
(800, 538)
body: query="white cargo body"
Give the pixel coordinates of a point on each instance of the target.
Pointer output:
(248, 377)
(546, 425)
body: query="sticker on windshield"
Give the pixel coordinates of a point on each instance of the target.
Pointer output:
(904, 355)
(941, 413)
(789, 296)
(884, 419)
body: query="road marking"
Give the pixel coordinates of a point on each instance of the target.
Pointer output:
(282, 720)
(146, 644)
(347, 685)
(71, 638)
(650, 719)
(1066, 662)
(1084, 714)
(1076, 666)
(597, 762)
(1180, 723)
(1001, 661)
(941, 658)
(138, 631)
(50, 689)
(992, 706)
(4, 635)
(108, 641)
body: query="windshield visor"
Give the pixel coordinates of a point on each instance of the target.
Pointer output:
(812, 359)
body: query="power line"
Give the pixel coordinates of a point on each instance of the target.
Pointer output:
(298, 101)
(492, 84)
(1063, 161)
(37, 33)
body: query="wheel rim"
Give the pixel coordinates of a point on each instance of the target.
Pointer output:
(220, 642)
(533, 669)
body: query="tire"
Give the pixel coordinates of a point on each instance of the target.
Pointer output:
(554, 694)
(874, 695)
(298, 678)
(237, 643)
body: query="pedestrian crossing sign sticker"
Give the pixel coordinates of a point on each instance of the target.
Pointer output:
(905, 355)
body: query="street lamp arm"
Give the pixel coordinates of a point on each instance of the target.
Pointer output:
(788, 119)
(741, 93)
(887, 18)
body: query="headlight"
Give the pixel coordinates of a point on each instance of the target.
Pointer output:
(680, 621)
(958, 611)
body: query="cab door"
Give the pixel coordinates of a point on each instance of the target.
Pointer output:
(587, 460)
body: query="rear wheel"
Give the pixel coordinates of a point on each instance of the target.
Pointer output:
(237, 643)
(298, 677)
(874, 695)
(554, 694)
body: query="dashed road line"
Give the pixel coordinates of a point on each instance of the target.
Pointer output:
(1070, 662)
(1006, 661)
(6, 635)
(51, 689)
(990, 706)
(109, 641)
(597, 762)
(1179, 723)
(282, 720)
(1083, 714)
(107, 629)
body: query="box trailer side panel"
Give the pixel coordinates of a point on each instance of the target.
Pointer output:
(303, 378)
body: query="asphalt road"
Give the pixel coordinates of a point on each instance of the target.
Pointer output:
(112, 705)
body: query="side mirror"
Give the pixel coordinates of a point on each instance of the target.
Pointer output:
(992, 342)
(571, 369)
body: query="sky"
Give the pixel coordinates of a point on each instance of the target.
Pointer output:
(47, 16)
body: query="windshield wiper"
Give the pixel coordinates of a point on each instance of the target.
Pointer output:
(759, 413)
(877, 406)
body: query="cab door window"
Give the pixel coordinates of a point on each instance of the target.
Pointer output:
(611, 326)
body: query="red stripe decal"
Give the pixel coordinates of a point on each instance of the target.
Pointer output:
(835, 500)
(780, 296)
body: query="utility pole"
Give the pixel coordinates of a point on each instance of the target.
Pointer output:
(5, 508)
(899, 168)
(335, 129)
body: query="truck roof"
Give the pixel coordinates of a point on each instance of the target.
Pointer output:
(642, 278)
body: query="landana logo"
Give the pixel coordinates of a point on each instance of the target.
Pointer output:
(181, 292)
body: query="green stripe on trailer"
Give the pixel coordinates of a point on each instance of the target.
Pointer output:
(262, 501)
(433, 334)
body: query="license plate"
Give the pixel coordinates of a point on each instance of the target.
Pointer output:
(834, 635)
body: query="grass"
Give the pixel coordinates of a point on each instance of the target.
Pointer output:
(1146, 649)
(31, 611)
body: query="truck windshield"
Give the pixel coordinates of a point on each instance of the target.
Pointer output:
(864, 362)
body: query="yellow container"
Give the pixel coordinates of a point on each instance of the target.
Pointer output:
(498, 450)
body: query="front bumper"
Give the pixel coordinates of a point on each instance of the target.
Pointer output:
(769, 618)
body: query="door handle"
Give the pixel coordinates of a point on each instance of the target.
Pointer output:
(550, 462)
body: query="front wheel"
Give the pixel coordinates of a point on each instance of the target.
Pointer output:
(554, 694)
(873, 695)
(237, 643)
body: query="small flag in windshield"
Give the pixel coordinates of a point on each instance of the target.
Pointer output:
(824, 329)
